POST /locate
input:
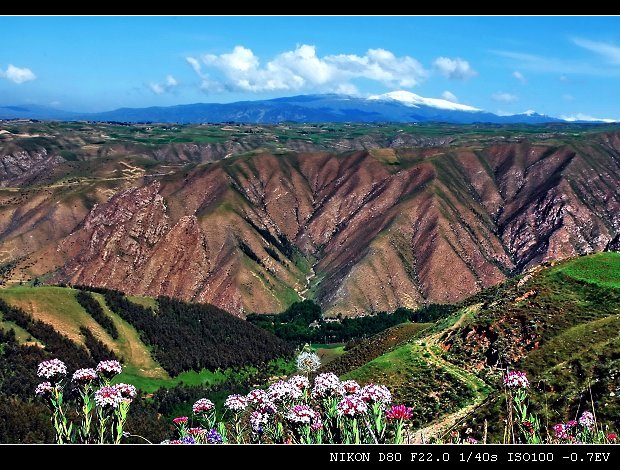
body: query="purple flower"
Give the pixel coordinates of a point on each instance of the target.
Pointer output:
(299, 381)
(189, 440)
(109, 368)
(352, 406)
(351, 386)
(281, 391)
(258, 420)
(214, 437)
(516, 379)
(376, 394)
(236, 403)
(257, 397)
(203, 405)
(52, 369)
(316, 426)
(44, 389)
(400, 412)
(127, 391)
(84, 376)
(327, 385)
(108, 397)
(301, 414)
(560, 431)
(587, 420)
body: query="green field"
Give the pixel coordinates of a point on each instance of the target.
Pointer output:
(602, 269)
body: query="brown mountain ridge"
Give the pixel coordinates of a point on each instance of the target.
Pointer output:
(360, 230)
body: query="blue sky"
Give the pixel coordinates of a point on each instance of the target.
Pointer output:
(561, 66)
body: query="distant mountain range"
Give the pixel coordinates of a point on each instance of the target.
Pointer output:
(397, 106)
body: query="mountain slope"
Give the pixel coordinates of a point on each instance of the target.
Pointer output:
(359, 230)
(559, 323)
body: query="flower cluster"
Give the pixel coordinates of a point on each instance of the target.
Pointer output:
(327, 385)
(109, 368)
(44, 389)
(127, 391)
(180, 420)
(301, 414)
(52, 369)
(352, 406)
(258, 420)
(214, 437)
(203, 406)
(399, 412)
(257, 397)
(108, 397)
(308, 362)
(560, 431)
(587, 420)
(373, 393)
(516, 379)
(612, 437)
(236, 403)
(84, 376)
(317, 425)
(281, 391)
(300, 382)
(351, 387)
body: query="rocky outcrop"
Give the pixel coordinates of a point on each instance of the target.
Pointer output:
(21, 167)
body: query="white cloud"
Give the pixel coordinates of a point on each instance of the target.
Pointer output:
(610, 52)
(568, 97)
(302, 68)
(160, 88)
(195, 64)
(454, 69)
(17, 75)
(586, 117)
(504, 97)
(449, 96)
(519, 76)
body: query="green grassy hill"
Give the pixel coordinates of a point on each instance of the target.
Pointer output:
(58, 307)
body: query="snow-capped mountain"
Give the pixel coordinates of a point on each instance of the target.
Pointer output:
(413, 100)
(395, 106)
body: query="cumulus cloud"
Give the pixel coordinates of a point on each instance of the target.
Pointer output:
(504, 97)
(454, 69)
(165, 86)
(449, 96)
(610, 52)
(301, 68)
(586, 117)
(17, 75)
(519, 76)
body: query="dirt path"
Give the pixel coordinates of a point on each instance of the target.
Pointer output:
(442, 425)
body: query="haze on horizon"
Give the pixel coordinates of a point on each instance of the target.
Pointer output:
(567, 67)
